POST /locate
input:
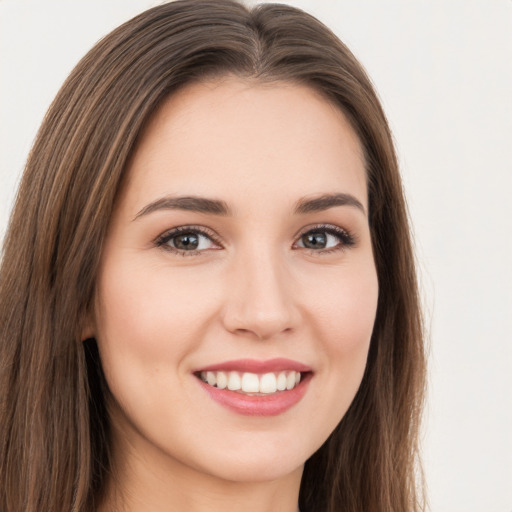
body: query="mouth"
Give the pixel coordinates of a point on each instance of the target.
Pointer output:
(256, 388)
(252, 384)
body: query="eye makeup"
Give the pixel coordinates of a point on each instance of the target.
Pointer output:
(190, 240)
(317, 239)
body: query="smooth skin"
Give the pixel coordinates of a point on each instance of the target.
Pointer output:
(264, 279)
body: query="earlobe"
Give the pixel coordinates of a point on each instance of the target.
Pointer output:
(87, 335)
(88, 328)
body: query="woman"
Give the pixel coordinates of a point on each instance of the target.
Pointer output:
(208, 294)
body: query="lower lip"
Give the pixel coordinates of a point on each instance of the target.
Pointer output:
(269, 405)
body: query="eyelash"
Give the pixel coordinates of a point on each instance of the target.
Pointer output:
(163, 240)
(346, 239)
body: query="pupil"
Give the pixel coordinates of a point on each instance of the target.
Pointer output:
(314, 240)
(187, 241)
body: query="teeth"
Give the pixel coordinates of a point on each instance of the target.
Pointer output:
(290, 380)
(222, 380)
(268, 383)
(251, 383)
(234, 382)
(281, 381)
(211, 378)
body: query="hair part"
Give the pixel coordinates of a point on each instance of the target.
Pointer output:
(54, 429)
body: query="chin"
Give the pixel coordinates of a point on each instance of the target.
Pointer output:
(255, 471)
(263, 460)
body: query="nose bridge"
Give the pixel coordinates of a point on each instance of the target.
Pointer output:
(260, 295)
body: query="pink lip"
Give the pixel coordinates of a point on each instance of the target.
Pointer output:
(257, 405)
(270, 405)
(256, 366)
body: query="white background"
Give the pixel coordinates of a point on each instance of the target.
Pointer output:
(443, 69)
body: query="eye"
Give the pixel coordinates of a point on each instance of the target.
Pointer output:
(325, 238)
(187, 239)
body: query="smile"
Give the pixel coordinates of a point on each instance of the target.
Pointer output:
(256, 388)
(252, 384)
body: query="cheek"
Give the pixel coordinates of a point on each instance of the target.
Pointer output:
(344, 316)
(148, 310)
(147, 322)
(344, 309)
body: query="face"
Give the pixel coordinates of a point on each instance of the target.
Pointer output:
(237, 290)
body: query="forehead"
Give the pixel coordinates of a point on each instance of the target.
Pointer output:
(248, 135)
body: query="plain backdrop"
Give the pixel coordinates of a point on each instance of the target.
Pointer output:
(443, 69)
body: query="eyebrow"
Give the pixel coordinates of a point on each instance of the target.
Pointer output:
(326, 201)
(188, 203)
(218, 207)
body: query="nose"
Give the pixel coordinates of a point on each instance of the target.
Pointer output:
(260, 298)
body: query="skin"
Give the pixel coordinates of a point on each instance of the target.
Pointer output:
(252, 290)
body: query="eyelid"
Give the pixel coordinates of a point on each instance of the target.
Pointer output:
(162, 239)
(347, 238)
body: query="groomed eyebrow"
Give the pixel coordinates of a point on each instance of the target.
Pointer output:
(188, 203)
(326, 201)
(218, 207)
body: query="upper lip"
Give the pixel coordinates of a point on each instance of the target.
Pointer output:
(257, 366)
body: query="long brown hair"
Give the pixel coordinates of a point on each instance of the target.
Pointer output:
(54, 433)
